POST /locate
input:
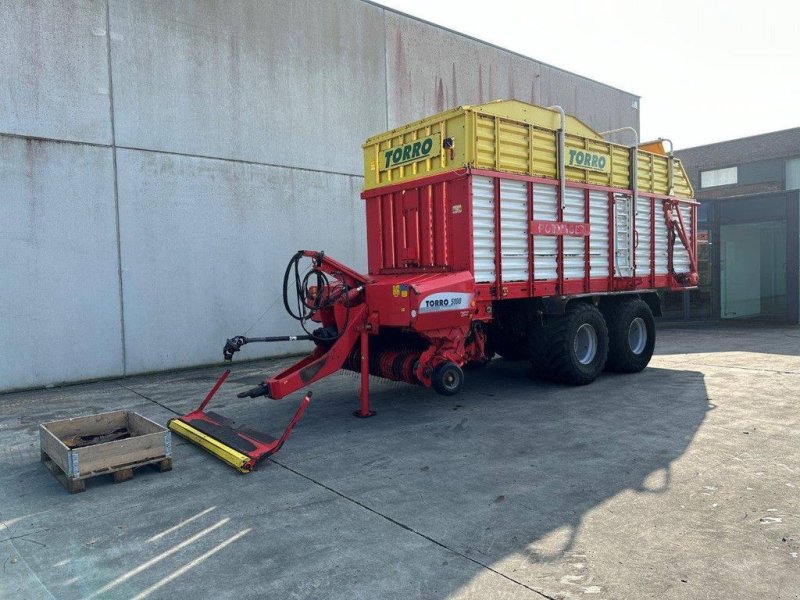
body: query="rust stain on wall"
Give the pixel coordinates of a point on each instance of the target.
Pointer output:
(402, 76)
(439, 95)
(455, 89)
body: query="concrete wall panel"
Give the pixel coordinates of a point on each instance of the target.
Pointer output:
(430, 69)
(291, 82)
(54, 65)
(59, 286)
(205, 244)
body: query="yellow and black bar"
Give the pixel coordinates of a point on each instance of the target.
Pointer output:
(239, 461)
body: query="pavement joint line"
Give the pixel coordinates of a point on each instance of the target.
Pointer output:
(31, 571)
(181, 441)
(23, 536)
(410, 529)
(745, 368)
(150, 399)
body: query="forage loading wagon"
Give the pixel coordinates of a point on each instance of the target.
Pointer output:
(502, 228)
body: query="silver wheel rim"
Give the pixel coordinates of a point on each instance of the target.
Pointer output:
(585, 344)
(449, 379)
(637, 335)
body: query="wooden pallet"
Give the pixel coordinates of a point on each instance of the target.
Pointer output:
(114, 443)
(119, 474)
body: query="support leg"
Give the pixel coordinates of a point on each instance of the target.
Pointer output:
(363, 394)
(163, 466)
(122, 475)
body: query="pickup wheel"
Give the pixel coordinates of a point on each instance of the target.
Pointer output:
(576, 345)
(447, 379)
(632, 336)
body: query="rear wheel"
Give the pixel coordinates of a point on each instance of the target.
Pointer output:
(576, 345)
(447, 378)
(632, 336)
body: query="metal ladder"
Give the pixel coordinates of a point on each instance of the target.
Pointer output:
(624, 235)
(624, 228)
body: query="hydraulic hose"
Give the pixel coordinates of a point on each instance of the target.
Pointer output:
(304, 309)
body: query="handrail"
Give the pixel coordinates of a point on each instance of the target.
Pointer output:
(634, 154)
(562, 151)
(671, 170)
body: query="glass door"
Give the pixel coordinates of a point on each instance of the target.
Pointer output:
(753, 270)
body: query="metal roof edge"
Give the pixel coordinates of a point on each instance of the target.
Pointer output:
(739, 139)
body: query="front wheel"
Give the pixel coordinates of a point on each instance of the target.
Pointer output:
(447, 378)
(632, 336)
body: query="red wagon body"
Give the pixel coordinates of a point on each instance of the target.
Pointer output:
(481, 239)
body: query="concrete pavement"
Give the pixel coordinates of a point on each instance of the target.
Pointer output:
(679, 482)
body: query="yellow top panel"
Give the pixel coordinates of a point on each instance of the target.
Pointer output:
(515, 137)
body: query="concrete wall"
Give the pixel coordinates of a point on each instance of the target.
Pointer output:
(59, 290)
(162, 161)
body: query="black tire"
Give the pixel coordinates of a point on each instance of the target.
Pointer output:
(565, 357)
(447, 379)
(628, 321)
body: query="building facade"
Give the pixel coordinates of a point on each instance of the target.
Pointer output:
(161, 161)
(749, 225)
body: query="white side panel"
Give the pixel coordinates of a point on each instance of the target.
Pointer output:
(514, 230)
(598, 241)
(623, 266)
(483, 228)
(662, 265)
(643, 236)
(680, 257)
(574, 255)
(545, 247)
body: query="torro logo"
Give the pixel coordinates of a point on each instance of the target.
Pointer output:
(590, 161)
(411, 152)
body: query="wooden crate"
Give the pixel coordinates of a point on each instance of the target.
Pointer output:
(107, 443)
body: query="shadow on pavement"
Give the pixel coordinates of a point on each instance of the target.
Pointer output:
(509, 467)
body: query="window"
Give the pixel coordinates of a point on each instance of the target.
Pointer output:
(705, 212)
(718, 177)
(793, 174)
